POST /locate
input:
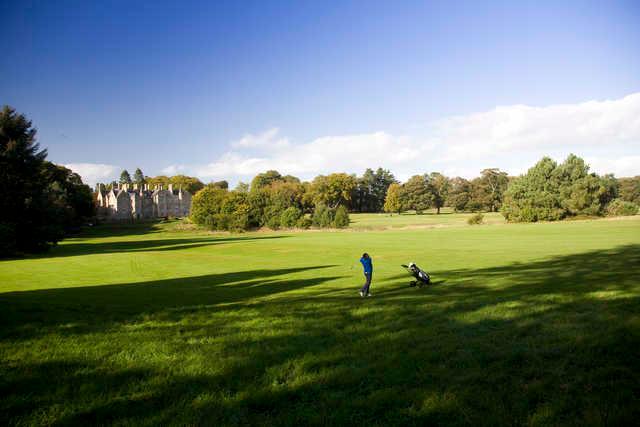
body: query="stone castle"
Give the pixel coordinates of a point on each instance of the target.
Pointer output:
(126, 202)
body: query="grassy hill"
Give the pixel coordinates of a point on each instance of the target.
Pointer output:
(530, 324)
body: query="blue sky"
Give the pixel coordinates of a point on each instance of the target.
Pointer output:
(227, 89)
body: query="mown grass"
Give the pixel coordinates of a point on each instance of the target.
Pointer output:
(532, 324)
(428, 219)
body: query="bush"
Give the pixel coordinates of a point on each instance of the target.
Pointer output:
(273, 222)
(619, 207)
(475, 219)
(323, 216)
(290, 216)
(303, 222)
(341, 219)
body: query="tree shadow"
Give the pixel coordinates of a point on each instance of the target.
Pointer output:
(551, 342)
(86, 309)
(73, 248)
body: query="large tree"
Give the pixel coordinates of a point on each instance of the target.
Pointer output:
(549, 191)
(416, 193)
(333, 190)
(459, 194)
(439, 188)
(27, 222)
(490, 188)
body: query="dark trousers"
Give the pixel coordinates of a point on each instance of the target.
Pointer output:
(367, 283)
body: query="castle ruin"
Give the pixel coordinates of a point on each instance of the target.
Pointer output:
(134, 202)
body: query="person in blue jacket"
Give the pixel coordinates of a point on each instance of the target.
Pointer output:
(368, 271)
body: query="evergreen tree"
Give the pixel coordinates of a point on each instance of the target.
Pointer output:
(125, 178)
(138, 177)
(28, 221)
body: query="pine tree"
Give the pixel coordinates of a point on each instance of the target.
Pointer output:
(125, 178)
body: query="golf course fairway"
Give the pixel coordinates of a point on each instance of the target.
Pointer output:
(161, 324)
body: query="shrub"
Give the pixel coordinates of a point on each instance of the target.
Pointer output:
(303, 222)
(341, 219)
(323, 216)
(273, 222)
(475, 219)
(290, 216)
(619, 207)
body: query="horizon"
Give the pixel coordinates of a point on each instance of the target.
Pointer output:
(230, 90)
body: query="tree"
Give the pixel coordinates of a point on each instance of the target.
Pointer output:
(370, 190)
(27, 219)
(629, 189)
(72, 199)
(125, 178)
(459, 194)
(491, 187)
(382, 180)
(549, 191)
(534, 196)
(439, 188)
(416, 193)
(265, 179)
(188, 183)
(333, 190)
(393, 201)
(207, 203)
(138, 177)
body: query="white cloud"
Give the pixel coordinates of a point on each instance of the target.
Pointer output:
(92, 173)
(581, 126)
(268, 139)
(622, 166)
(174, 169)
(513, 138)
(346, 153)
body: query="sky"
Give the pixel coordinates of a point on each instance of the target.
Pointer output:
(226, 90)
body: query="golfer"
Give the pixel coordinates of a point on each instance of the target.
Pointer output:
(368, 271)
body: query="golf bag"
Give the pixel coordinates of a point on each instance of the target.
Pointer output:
(421, 276)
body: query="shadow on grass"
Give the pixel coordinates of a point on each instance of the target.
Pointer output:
(157, 245)
(554, 342)
(94, 308)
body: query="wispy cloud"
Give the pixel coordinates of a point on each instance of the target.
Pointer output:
(92, 173)
(607, 133)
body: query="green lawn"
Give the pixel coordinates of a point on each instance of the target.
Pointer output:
(526, 324)
(429, 219)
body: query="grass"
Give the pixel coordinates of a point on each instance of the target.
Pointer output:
(530, 324)
(429, 219)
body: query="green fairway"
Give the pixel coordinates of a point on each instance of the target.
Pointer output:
(526, 324)
(429, 219)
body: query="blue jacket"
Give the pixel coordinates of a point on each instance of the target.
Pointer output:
(368, 266)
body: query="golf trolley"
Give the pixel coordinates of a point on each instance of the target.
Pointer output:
(421, 276)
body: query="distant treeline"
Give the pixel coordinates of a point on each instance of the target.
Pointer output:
(548, 191)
